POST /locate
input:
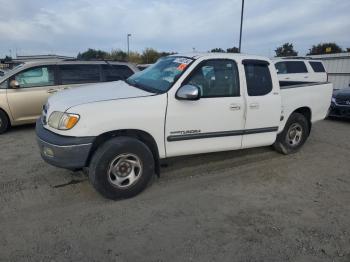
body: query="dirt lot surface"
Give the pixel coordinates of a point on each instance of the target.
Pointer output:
(250, 205)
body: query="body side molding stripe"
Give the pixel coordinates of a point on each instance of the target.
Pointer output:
(222, 134)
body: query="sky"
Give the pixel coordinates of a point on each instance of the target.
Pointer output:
(66, 27)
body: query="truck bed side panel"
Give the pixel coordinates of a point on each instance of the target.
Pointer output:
(315, 96)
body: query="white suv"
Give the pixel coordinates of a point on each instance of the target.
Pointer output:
(299, 71)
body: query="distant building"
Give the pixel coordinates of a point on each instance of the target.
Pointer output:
(338, 68)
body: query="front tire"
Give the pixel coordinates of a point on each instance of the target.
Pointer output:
(293, 136)
(121, 168)
(4, 122)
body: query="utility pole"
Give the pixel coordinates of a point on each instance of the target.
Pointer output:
(128, 42)
(240, 32)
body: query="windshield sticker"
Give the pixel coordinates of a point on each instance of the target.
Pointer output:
(183, 60)
(181, 67)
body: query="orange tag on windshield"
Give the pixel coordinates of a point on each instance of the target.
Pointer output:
(181, 67)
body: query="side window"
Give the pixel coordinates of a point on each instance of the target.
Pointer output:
(281, 68)
(216, 78)
(116, 72)
(317, 67)
(35, 77)
(79, 74)
(294, 67)
(258, 78)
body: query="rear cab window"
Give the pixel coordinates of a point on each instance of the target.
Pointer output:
(317, 67)
(258, 77)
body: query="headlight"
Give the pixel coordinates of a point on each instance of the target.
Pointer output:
(63, 121)
(333, 100)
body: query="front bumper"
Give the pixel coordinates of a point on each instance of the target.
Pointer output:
(63, 151)
(339, 110)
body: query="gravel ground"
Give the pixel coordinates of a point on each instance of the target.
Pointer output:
(249, 205)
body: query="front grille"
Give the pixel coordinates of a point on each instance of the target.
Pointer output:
(343, 101)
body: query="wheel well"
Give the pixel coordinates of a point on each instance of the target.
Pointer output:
(305, 111)
(143, 136)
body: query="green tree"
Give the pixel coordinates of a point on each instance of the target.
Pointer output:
(118, 55)
(135, 57)
(232, 50)
(217, 50)
(325, 48)
(348, 49)
(92, 54)
(286, 49)
(150, 56)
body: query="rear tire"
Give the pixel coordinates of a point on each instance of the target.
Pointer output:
(293, 136)
(4, 122)
(121, 168)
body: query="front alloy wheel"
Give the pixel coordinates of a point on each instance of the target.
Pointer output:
(121, 168)
(124, 170)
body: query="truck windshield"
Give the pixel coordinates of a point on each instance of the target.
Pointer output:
(159, 77)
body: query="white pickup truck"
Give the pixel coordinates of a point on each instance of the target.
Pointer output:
(181, 105)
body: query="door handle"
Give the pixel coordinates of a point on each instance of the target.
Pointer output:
(235, 107)
(254, 106)
(51, 91)
(306, 77)
(287, 78)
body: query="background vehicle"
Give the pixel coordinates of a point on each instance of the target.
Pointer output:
(142, 67)
(300, 71)
(182, 105)
(340, 106)
(25, 89)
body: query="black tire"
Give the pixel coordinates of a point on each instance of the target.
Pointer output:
(102, 160)
(283, 143)
(4, 122)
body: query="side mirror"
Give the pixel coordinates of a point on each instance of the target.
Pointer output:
(14, 84)
(188, 92)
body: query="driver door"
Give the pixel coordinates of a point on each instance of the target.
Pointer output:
(215, 121)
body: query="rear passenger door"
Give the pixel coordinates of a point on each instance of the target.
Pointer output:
(263, 104)
(71, 75)
(115, 72)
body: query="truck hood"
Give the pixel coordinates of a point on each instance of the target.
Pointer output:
(90, 93)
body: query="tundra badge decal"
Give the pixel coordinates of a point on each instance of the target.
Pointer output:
(185, 132)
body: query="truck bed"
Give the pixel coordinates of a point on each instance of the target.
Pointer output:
(315, 96)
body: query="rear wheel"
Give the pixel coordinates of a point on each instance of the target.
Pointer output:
(4, 122)
(121, 168)
(294, 135)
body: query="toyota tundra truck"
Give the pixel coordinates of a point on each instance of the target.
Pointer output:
(181, 105)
